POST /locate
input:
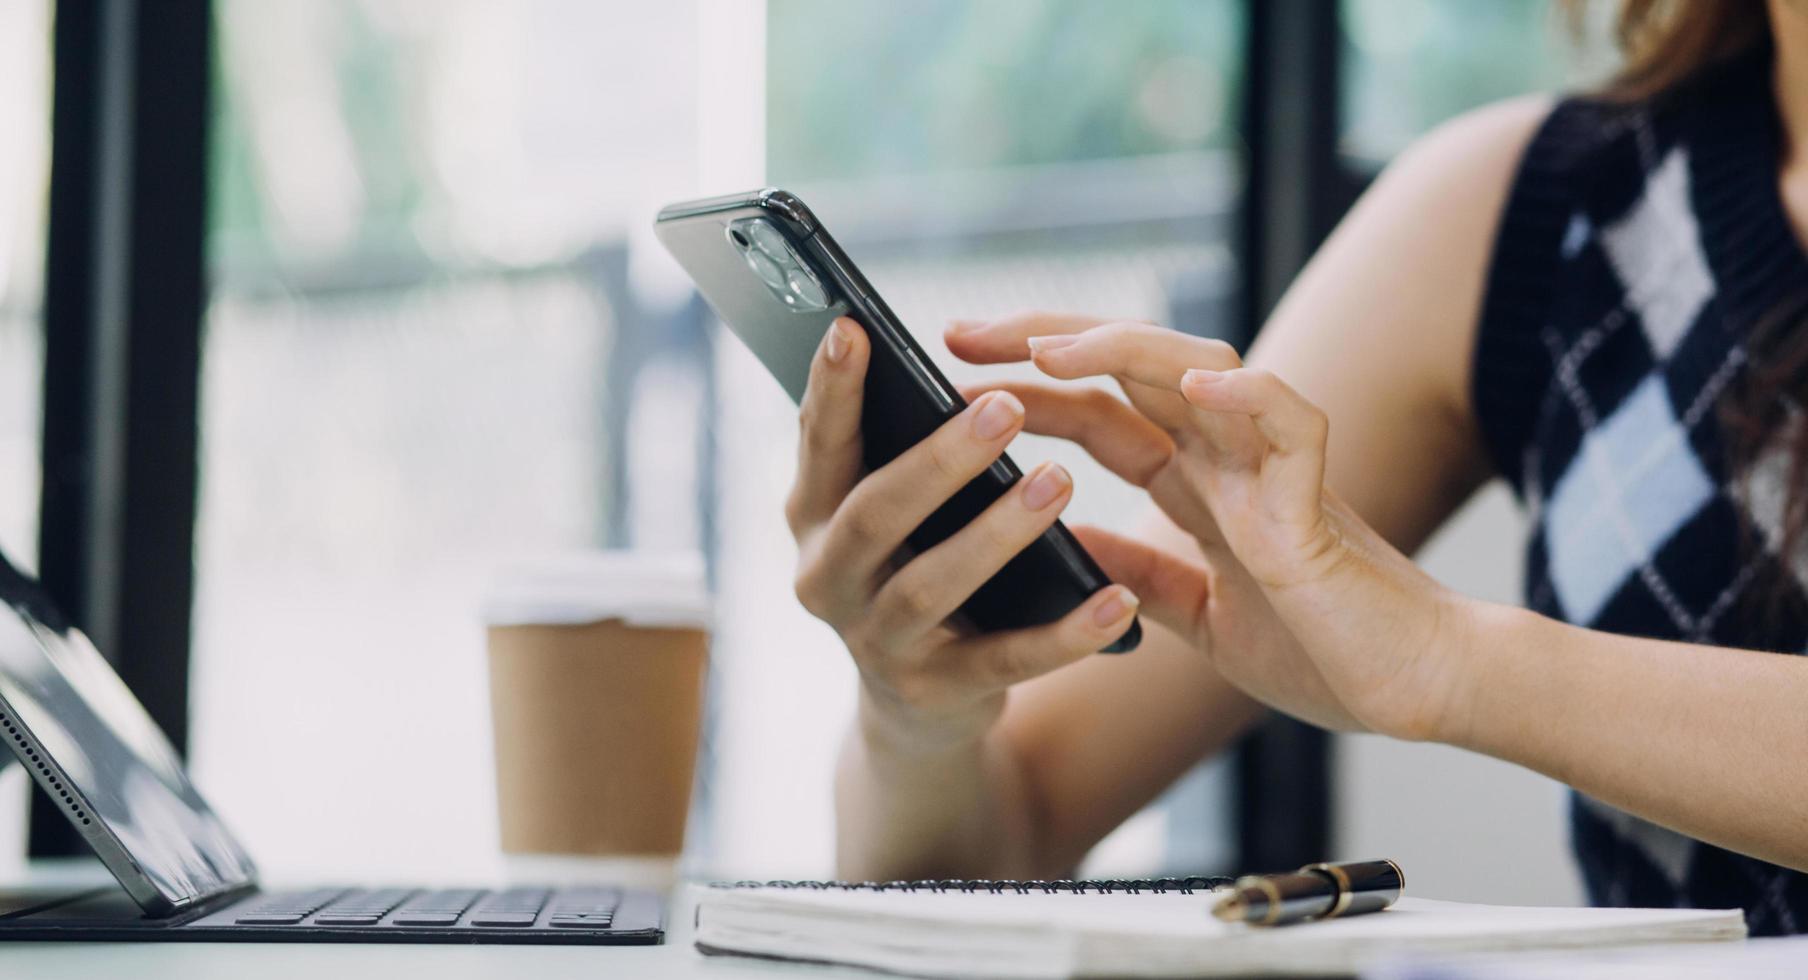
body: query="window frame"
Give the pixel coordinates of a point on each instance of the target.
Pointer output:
(124, 289)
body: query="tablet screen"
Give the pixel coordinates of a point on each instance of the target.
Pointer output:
(92, 747)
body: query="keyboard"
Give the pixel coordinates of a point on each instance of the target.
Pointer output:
(591, 915)
(517, 908)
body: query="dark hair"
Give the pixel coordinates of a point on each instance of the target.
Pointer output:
(1665, 44)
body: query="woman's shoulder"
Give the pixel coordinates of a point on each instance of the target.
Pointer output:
(1492, 134)
(1450, 186)
(1519, 152)
(1538, 162)
(1436, 212)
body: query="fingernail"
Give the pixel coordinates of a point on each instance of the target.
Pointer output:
(1000, 411)
(1122, 603)
(1052, 342)
(1045, 485)
(838, 342)
(962, 326)
(1201, 376)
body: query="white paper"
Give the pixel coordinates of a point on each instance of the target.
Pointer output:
(1037, 935)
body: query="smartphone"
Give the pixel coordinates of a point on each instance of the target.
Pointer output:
(772, 273)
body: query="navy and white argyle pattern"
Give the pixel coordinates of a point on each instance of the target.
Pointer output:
(1639, 247)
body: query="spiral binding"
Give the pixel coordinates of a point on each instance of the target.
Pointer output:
(1099, 886)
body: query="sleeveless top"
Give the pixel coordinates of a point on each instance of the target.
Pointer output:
(1639, 246)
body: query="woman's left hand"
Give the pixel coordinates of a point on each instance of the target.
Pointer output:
(1249, 452)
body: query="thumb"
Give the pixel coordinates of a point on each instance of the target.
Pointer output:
(1173, 589)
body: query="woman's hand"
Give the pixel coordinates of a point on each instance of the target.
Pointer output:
(922, 681)
(1215, 604)
(1373, 633)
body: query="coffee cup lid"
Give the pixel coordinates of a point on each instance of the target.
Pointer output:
(641, 588)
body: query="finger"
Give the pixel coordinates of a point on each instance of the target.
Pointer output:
(888, 504)
(1149, 362)
(933, 585)
(828, 448)
(1002, 340)
(1112, 432)
(1140, 352)
(1295, 428)
(1174, 590)
(995, 661)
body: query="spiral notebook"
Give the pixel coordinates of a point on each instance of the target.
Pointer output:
(1137, 927)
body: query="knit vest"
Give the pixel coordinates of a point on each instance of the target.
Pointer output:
(1640, 245)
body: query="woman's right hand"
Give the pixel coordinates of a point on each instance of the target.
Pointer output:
(923, 681)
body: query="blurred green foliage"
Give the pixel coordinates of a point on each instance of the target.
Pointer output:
(860, 88)
(1411, 64)
(869, 88)
(371, 69)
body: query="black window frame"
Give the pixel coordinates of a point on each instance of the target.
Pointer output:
(124, 291)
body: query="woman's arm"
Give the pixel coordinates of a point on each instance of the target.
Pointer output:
(1708, 741)
(1705, 740)
(1380, 327)
(1076, 752)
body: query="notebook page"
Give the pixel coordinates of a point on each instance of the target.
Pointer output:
(1036, 935)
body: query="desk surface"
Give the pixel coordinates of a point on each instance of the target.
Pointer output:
(235, 961)
(224, 961)
(274, 961)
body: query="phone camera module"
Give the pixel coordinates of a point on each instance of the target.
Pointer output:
(777, 264)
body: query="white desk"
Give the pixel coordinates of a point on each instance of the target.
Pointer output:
(245, 961)
(676, 959)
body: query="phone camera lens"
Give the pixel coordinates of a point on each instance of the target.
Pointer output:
(770, 241)
(806, 288)
(766, 269)
(740, 240)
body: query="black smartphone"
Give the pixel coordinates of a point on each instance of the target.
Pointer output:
(772, 273)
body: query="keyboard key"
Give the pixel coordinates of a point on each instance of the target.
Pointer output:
(424, 919)
(518, 919)
(342, 919)
(447, 900)
(269, 918)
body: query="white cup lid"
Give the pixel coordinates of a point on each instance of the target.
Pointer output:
(640, 588)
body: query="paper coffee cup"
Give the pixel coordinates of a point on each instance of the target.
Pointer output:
(597, 664)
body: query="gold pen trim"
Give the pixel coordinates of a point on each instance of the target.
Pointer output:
(1274, 901)
(1345, 891)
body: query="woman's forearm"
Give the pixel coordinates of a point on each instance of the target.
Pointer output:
(1708, 741)
(948, 809)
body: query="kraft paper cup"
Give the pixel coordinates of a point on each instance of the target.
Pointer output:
(597, 665)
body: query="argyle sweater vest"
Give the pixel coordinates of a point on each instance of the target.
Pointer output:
(1639, 246)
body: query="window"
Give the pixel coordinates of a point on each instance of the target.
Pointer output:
(439, 335)
(430, 265)
(422, 224)
(1411, 64)
(24, 164)
(975, 159)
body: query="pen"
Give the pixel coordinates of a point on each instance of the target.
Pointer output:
(1316, 891)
